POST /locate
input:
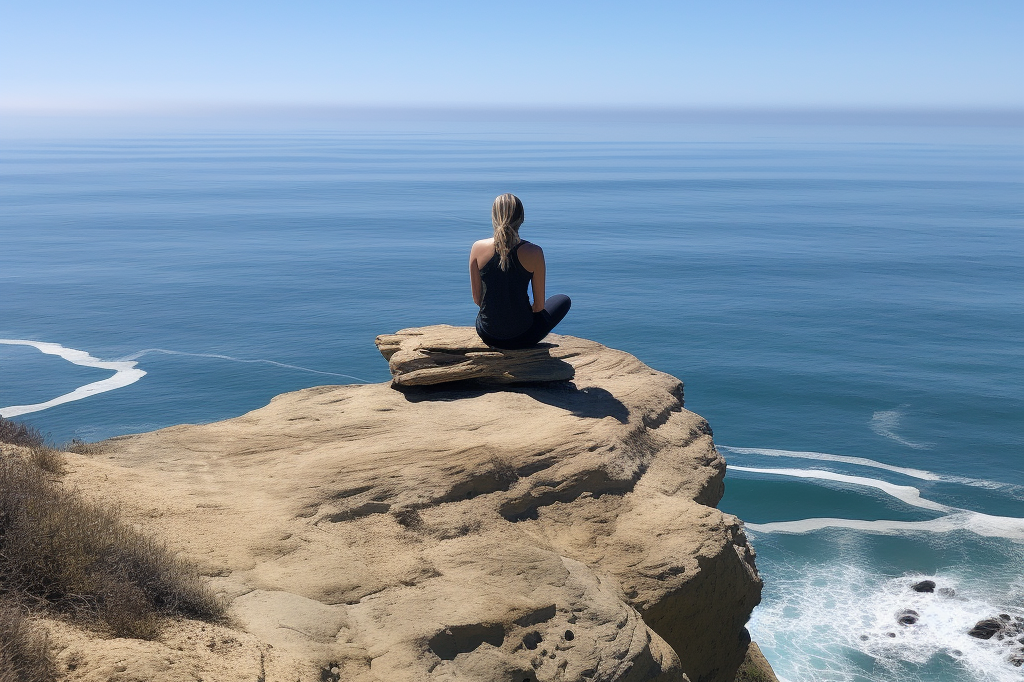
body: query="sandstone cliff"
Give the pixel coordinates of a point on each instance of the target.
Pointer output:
(466, 531)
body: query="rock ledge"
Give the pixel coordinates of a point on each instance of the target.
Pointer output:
(563, 531)
(441, 354)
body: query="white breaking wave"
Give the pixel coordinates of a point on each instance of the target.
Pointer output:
(1007, 527)
(826, 457)
(147, 351)
(905, 493)
(125, 374)
(816, 614)
(885, 423)
(865, 462)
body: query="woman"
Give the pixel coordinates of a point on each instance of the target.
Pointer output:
(500, 270)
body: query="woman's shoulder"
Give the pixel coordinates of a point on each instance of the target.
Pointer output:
(481, 246)
(530, 255)
(529, 247)
(481, 252)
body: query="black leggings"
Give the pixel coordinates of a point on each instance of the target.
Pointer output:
(555, 308)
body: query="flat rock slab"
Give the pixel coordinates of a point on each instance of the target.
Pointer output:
(440, 354)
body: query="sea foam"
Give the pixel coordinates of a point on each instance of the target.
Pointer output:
(125, 374)
(820, 617)
(1007, 527)
(885, 423)
(905, 493)
(920, 474)
(164, 351)
(125, 371)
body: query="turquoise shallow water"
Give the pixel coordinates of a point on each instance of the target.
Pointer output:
(843, 304)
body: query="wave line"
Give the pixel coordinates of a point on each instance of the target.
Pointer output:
(1006, 527)
(905, 493)
(885, 423)
(955, 518)
(139, 354)
(125, 374)
(865, 462)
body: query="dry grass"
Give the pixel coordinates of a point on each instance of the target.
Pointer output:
(24, 652)
(48, 459)
(80, 447)
(16, 433)
(64, 554)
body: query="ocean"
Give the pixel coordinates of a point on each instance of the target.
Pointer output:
(844, 302)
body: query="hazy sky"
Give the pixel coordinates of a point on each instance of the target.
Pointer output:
(732, 53)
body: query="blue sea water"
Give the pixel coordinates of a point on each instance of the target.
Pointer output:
(845, 304)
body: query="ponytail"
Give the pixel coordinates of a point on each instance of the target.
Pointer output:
(506, 216)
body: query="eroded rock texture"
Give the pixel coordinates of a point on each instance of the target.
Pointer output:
(457, 532)
(442, 354)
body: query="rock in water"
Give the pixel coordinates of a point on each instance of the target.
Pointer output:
(443, 354)
(924, 586)
(558, 531)
(984, 629)
(907, 617)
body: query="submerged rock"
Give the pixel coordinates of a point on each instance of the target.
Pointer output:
(946, 592)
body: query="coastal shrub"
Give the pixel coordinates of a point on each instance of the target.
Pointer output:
(61, 552)
(48, 459)
(16, 433)
(25, 654)
(80, 447)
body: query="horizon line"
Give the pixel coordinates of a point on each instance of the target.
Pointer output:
(935, 115)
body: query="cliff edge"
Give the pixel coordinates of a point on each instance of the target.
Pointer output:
(561, 530)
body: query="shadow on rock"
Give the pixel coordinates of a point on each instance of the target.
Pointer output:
(591, 402)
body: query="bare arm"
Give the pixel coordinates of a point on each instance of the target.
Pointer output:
(474, 279)
(532, 258)
(474, 275)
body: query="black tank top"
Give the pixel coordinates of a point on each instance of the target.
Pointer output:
(505, 310)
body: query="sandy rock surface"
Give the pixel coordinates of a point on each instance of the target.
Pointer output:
(755, 667)
(386, 533)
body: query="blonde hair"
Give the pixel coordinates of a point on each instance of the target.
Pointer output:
(506, 216)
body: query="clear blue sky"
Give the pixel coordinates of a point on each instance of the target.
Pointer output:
(733, 53)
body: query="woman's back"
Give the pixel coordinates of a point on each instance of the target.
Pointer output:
(500, 271)
(505, 309)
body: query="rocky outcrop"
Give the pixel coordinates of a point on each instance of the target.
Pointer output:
(755, 667)
(444, 354)
(1006, 629)
(390, 532)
